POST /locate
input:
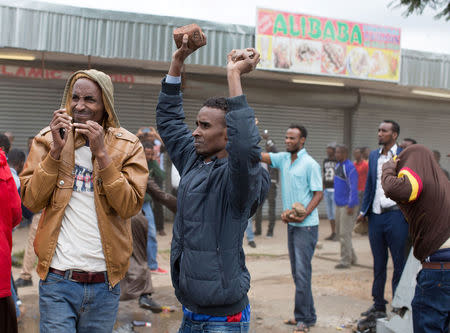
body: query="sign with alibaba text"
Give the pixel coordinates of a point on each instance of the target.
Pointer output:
(316, 45)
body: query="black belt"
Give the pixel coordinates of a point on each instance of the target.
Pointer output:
(81, 276)
(389, 209)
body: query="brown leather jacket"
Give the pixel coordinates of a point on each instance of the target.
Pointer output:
(119, 191)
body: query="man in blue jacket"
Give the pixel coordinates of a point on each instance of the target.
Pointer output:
(222, 183)
(387, 226)
(346, 199)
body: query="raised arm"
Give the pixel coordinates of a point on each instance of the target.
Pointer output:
(170, 116)
(247, 178)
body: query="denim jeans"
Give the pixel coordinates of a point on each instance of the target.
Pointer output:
(190, 326)
(152, 243)
(67, 307)
(431, 303)
(249, 231)
(387, 231)
(301, 244)
(328, 196)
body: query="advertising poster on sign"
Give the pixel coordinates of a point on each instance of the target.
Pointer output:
(309, 44)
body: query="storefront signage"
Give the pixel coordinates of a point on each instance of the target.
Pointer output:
(53, 74)
(317, 45)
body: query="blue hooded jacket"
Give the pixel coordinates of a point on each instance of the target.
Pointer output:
(214, 203)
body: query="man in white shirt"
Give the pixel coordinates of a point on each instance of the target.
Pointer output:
(387, 226)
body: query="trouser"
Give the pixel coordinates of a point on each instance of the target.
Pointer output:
(152, 242)
(8, 319)
(138, 280)
(29, 258)
(301, 244)
(72, 307)
(190, 326)
(249, 231)
(431, 303)
(386, 231)
(344, 228)
(271, 200)
(330, 205)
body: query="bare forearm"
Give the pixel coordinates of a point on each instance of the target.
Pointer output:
(317, 197)
(234, 83)
(175, 67)
(265, 158)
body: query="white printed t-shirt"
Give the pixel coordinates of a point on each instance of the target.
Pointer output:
(79, 244)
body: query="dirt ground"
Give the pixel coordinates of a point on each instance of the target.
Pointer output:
(339, 295)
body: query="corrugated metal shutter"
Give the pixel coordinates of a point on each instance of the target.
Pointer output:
(26, 106)
(425, 121)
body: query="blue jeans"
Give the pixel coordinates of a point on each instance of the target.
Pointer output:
(67, 307)
(328, 195)
(249, 231)
(431, 303)
(387, 231)
(152, 243)
(301, 243)
(15, 297)
(190, 326)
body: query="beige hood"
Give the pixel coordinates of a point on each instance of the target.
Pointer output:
(105, 83)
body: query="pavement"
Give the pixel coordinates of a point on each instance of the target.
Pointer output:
(339, 295)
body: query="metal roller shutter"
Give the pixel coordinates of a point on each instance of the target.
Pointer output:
(427, 122)
(26, 106)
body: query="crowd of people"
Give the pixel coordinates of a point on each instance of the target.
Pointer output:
(93, 193)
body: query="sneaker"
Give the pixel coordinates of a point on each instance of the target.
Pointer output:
(342, 266)
(269, 234)
(252, 244)
(23, 283)
(146, 302)
(333, 237)
(159, 270)
(371, 310)
(162, 233)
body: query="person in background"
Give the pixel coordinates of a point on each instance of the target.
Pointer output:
(10, 137)
(407, 142)
(5, 145)
(150, 134)
(10, 216)
(365, 153)
(437, 157)
(157, 175)
(16, 161)
(387, 226)
(301, 181)
(346, 198)
(414, 180)
(362, 167)
(329, 165)
(272, 195)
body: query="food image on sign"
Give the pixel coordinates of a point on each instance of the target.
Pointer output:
(333, 58)
(305, 55)
(281, 56)
(379, 64)
(302, 43)
(358, 62)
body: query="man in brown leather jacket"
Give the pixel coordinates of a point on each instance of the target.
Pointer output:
(89, 175)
